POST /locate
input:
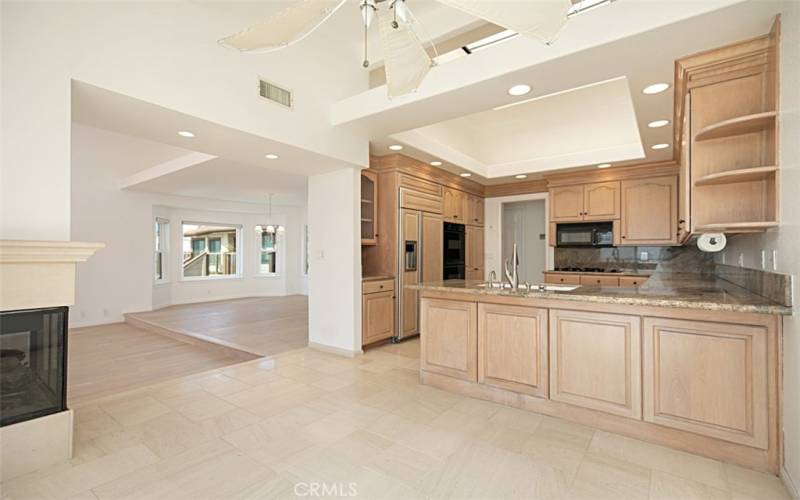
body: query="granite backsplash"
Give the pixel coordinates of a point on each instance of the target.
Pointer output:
(686, 259)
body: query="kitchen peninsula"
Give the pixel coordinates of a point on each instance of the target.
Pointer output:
(686, 361)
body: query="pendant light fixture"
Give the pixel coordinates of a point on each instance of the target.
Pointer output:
(269, 228)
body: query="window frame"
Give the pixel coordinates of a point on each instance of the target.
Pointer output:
(239, 253)
(277, 250)
(161, 237)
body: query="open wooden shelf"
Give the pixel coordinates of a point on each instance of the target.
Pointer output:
(737, 126)
(736, 227)
(738, 175)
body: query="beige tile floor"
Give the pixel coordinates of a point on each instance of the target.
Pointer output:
(280, 426)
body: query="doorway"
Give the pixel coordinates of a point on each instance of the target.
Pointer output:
(525, 223)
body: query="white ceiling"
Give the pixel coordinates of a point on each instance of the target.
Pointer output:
(453, 107)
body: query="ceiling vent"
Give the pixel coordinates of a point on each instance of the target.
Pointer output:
(273, 93)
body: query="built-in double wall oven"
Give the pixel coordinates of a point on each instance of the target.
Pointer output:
(454, 251)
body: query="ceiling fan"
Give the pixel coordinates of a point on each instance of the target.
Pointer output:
(405, 58)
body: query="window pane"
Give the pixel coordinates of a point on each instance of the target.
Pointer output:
(159, 266)
(209, 250)
(267, 264)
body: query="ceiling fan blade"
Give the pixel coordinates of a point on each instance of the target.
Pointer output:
(540, 19)
(285, 27)
(406, 61)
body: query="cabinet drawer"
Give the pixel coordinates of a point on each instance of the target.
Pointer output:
(377, 286)
(587, 279)
(570, 279)
(416, 200)
(420, 185)
(630, 281)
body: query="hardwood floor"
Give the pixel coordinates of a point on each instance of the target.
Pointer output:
(109, 359)
(261, 325)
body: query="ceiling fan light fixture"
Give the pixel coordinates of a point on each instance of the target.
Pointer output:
(368, 9)
(401, 10)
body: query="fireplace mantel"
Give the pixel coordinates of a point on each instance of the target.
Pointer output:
(37, 274)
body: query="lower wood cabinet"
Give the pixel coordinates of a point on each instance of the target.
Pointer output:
(595, 361)
(377, 314)
(512, 348)
(707, 378)
(449, 338)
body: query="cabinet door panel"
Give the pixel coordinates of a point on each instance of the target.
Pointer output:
(474, 257)
(601, 201)
(595, 361)
(454, 205)
(378, 317)
(475, 209)
(650, 211)
(566, 203)
(708, 378)
(512, 348)
(449, 338)
(569, 279)
(431, 248)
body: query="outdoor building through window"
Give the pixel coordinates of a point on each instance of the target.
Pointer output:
(268, 238)
(210, 250)
(161, 241)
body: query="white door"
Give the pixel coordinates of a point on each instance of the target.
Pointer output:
(525, 223)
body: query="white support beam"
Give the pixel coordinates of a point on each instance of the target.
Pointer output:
(162, 169)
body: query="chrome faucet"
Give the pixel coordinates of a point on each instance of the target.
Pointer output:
(511, 275)
(492, 278)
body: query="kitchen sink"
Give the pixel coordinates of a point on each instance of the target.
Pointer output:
(540, 287)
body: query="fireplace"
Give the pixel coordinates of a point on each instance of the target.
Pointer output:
(33, 368)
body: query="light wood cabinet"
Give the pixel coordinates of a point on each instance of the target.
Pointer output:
(449, 338)
(595, 361)
(566, 204)
(567, 279)
(369, 208)
(707, 378)
(512, 348)
(417, 200)
(409, 299)
(454, 205)
(630, 281)
(650, 211)
(432, 255)
(377, 311)
(475, 209)
(474, 255)
(601, 201)
(588, 279)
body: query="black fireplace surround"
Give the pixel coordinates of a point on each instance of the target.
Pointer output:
(33, 364)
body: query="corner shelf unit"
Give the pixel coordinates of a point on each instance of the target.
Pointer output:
(737, 175)
(740, 125)
(369, 207)
(737, 227)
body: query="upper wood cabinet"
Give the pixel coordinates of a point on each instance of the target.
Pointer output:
(474, 255)
(454, 205)
(512, 348)
(595, 361)
(707, 378)
(475, 209)
(566, 203)
(449, 338)
(650, 211)
(369, 208)
(596, 201)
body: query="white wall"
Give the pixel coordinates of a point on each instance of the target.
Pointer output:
(120, 278)
(494, 226)
(161, 52)
(334, 303)
(786, 240)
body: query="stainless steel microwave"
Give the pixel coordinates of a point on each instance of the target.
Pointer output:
(592, 234)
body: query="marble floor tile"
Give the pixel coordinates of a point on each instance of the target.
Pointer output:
(605, 477)
(750, 484)
(665, 486)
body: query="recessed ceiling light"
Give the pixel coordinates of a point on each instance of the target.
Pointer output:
(466, 174)
(436, 163)
(185, 133)
(271, 156)
(655, 88)
(396, 147)
(658, 123)
(659, 146)
(604, 165)
(520, 176)
(520, 89)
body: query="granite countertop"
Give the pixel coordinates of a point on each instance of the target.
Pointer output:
(376, 278)
(679, 290)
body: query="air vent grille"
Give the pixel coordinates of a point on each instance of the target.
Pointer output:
(272, 92)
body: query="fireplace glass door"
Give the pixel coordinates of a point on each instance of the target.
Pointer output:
(33, 371)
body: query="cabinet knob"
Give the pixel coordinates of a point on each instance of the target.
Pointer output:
(381, 286)
(623, 237)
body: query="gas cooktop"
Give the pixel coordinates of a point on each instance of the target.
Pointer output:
(587, 270)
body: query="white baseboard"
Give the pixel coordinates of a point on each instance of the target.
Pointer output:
(335, 350)
(791, 486)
